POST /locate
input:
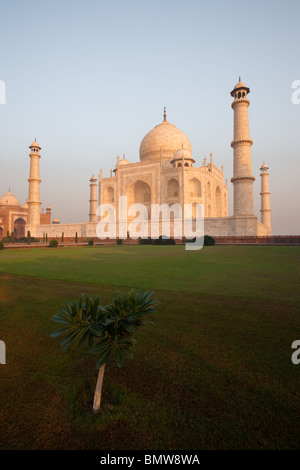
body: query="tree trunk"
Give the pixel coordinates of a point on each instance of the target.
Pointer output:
(98, 389)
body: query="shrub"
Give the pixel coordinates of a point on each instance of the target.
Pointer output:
(157, 241)
(119, 241)
(208, 240)
(53, 243)
(108, 330)
(145, 241)
(164, 241)
(91, 242)
(1, 245)
(27, 239)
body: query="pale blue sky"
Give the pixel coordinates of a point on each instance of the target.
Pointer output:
(90, 78)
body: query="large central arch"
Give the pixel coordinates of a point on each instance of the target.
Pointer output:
(139, 192)
(19, 227)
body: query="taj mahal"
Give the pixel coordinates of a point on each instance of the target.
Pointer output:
(166, 173)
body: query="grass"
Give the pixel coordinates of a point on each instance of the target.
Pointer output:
(213, 372)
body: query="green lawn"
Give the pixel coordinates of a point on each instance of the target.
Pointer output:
(213, 372)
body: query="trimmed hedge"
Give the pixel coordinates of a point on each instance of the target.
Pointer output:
(157, 241)
(53, 243)
(208, 240)
(25, 239)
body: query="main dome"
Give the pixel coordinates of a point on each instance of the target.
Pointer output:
(163, 140)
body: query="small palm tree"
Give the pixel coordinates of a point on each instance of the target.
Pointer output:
(108, 330)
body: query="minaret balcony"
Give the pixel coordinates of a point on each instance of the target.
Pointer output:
(235, 143)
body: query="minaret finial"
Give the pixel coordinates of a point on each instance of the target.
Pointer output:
(165, 114)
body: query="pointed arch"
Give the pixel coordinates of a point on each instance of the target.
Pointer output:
(218, 202)
(172, 188)
(195, 188)
(142, 192)
(208, 190)
(19, 227)
(109, 195)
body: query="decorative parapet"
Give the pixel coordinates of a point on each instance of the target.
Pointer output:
(240, 101)
(235, 143)
(243, 178)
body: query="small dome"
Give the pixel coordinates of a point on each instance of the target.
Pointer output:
(24, 206)
(182, 153)
(35, 144)
(163, 141)
(123, 161)
(240, 85)
(55, 221)
(9, 200)
(93, 179)
(264, 167)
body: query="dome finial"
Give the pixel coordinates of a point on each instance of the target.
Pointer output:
(165, 114)
(240, 79)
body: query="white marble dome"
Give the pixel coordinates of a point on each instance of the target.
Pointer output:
(163, 141)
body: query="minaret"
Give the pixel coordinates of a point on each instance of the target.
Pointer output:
(265, 196)
(242, 172)
(93, 199)
(34, 202)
